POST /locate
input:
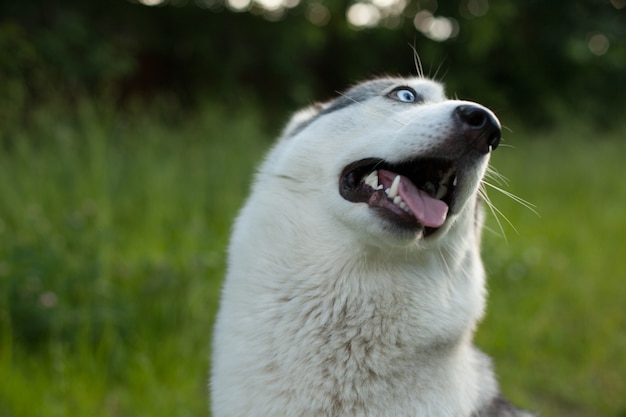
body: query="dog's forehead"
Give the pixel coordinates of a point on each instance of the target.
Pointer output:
(429, 90)
(369, 89)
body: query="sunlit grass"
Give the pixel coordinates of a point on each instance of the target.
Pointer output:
(113, 227)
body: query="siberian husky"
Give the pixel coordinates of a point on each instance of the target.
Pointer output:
(354, 279)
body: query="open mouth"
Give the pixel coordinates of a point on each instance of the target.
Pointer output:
(413, 194)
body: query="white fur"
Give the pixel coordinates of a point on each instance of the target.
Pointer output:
(327, 310)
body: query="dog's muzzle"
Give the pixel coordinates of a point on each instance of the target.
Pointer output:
(421, 191)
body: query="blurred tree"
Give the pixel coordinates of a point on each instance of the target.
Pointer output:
(530, 59)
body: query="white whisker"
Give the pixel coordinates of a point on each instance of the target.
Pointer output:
(493, 174)
(530, 206)
(418, 63)
(496, 213)
(436, 75)
(506, 145)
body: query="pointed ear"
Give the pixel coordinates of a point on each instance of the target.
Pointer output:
(301, 118)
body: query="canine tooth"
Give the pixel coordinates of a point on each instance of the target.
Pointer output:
(446, 177)
(454, 182)
(441, 191)
(372, 180)
(393, 190)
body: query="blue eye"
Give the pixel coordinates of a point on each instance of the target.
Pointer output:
(404, 94)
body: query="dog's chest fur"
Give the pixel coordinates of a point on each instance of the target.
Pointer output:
(365, 345)
(381, 335)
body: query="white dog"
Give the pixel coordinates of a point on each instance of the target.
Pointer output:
(354, 279)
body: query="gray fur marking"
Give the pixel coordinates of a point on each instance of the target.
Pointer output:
(359, 94)
(355, 95)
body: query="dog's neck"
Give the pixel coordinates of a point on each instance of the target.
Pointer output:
(429, 294)
(359, 314)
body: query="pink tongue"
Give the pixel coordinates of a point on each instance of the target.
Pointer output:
(429, 211)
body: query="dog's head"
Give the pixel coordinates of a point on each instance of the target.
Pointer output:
(390, 157)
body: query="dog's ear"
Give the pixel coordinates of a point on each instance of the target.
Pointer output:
(301, 118)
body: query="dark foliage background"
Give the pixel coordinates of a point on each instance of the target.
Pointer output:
(529, 60)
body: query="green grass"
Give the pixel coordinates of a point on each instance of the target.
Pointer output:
(113, 227)
(556, 315)
(112, 236)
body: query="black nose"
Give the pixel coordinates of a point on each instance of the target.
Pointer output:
(479, 126)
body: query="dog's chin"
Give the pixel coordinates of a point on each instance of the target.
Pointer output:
(402, 224)
(399, 225)
(414, 199)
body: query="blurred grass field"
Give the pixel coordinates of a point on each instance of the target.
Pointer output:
(113, 227)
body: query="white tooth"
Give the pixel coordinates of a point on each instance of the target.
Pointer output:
(403, 206)
(372, 179)
(393, 190)
(397, 200)
(387, 191)
(441, 191)
(446, 176)
(380, 187)
(454, 182)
